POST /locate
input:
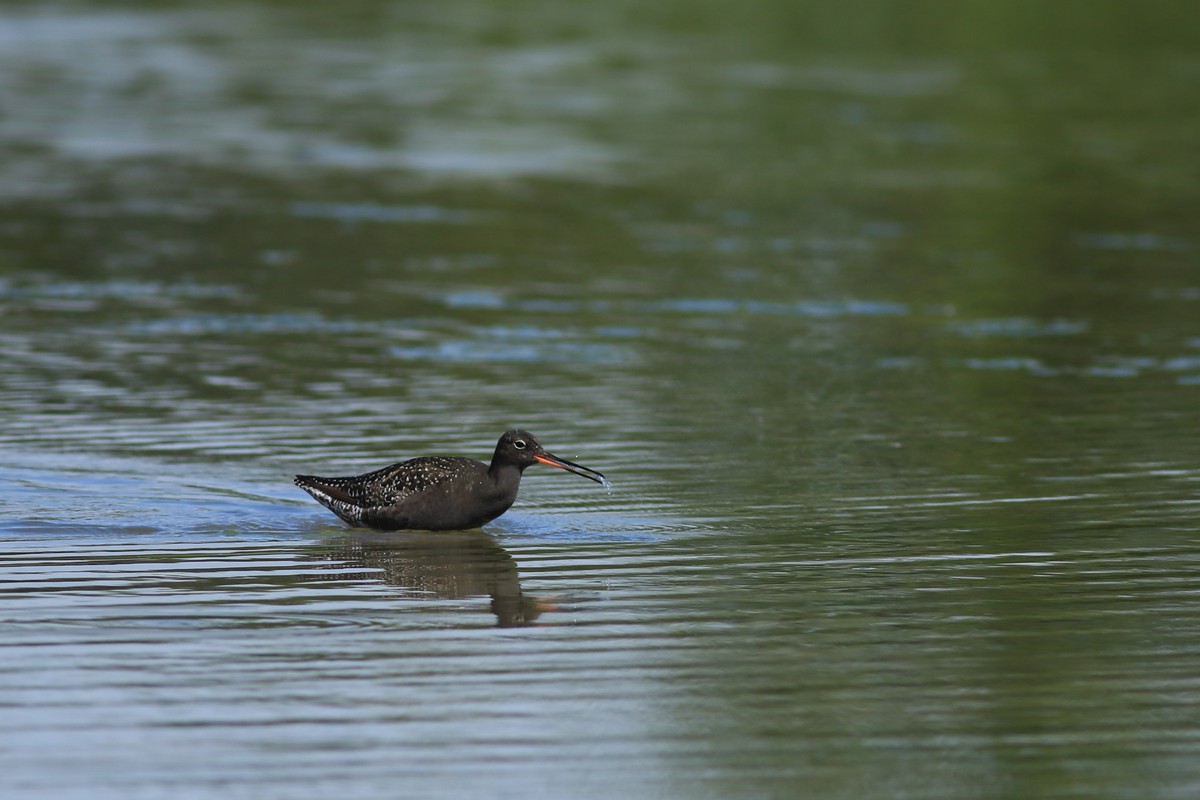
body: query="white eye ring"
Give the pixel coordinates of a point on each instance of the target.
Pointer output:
(519, 444)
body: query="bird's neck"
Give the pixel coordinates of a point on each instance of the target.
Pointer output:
(505, 476)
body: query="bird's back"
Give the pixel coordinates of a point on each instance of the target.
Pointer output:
(419, 493)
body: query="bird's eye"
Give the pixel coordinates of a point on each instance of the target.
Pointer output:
(519, 444)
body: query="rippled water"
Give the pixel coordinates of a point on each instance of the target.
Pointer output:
(886, 329)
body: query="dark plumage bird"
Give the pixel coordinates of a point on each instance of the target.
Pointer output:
(437, 493)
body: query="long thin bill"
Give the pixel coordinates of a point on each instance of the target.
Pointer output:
(562, 463)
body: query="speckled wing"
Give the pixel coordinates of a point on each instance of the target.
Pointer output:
(388, 486)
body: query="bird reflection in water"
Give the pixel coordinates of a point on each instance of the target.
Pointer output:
(447, 565)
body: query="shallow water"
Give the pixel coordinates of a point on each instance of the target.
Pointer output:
(885, 330)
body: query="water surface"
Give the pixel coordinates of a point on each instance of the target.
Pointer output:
(884, 327)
